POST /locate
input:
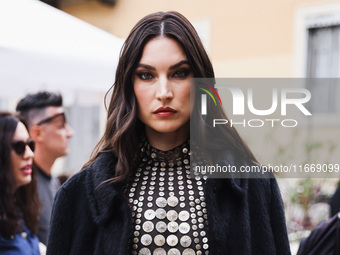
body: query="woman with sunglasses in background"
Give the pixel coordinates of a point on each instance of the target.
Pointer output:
(19, 203)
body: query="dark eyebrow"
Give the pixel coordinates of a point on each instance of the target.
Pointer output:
(146, 67)
(183, 62)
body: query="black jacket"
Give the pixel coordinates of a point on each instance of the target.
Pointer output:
(245, 215)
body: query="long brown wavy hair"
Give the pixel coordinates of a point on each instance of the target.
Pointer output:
(24, 202)
(123, 129)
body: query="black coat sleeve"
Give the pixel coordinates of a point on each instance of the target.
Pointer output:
(60, 237)
(278, 220)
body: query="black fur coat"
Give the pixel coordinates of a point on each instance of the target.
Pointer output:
(245, 216)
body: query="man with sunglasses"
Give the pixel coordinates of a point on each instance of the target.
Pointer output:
(45, 116)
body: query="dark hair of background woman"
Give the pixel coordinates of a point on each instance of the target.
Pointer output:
(123, 129)
(25, 199)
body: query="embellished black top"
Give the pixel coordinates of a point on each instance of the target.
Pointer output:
(168, 207)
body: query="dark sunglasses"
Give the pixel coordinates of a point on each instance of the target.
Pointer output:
(49, 119)
(20, 146)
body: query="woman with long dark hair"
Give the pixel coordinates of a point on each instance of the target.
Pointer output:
(19, 203)
(136, 194)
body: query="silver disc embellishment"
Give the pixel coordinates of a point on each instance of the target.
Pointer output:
(144, 251)
(160, 213)
(161, 202)
(189, 252)
(172, 201)
(148, 226)
(184, 228)
(170, 210)
(159, 240)
(174, 251)
(185, 241)
(183, 216)
(172, 240)
(161, 227)
(149, 214)
(172, 226)
(159, 251)
(146, 240)
(172, 215)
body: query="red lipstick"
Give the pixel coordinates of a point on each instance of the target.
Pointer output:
(164, 112)
(27, 170)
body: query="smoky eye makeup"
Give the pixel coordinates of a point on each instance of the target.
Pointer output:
(144, 75)
(182, 73)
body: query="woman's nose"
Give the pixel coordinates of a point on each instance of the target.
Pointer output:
(164, 89)
(28, 152)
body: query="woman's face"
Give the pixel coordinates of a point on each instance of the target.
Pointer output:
(162, 87)
(21, 164)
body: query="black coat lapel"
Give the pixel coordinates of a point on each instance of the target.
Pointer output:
(109, 208)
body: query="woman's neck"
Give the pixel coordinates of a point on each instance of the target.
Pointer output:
(166, 141)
